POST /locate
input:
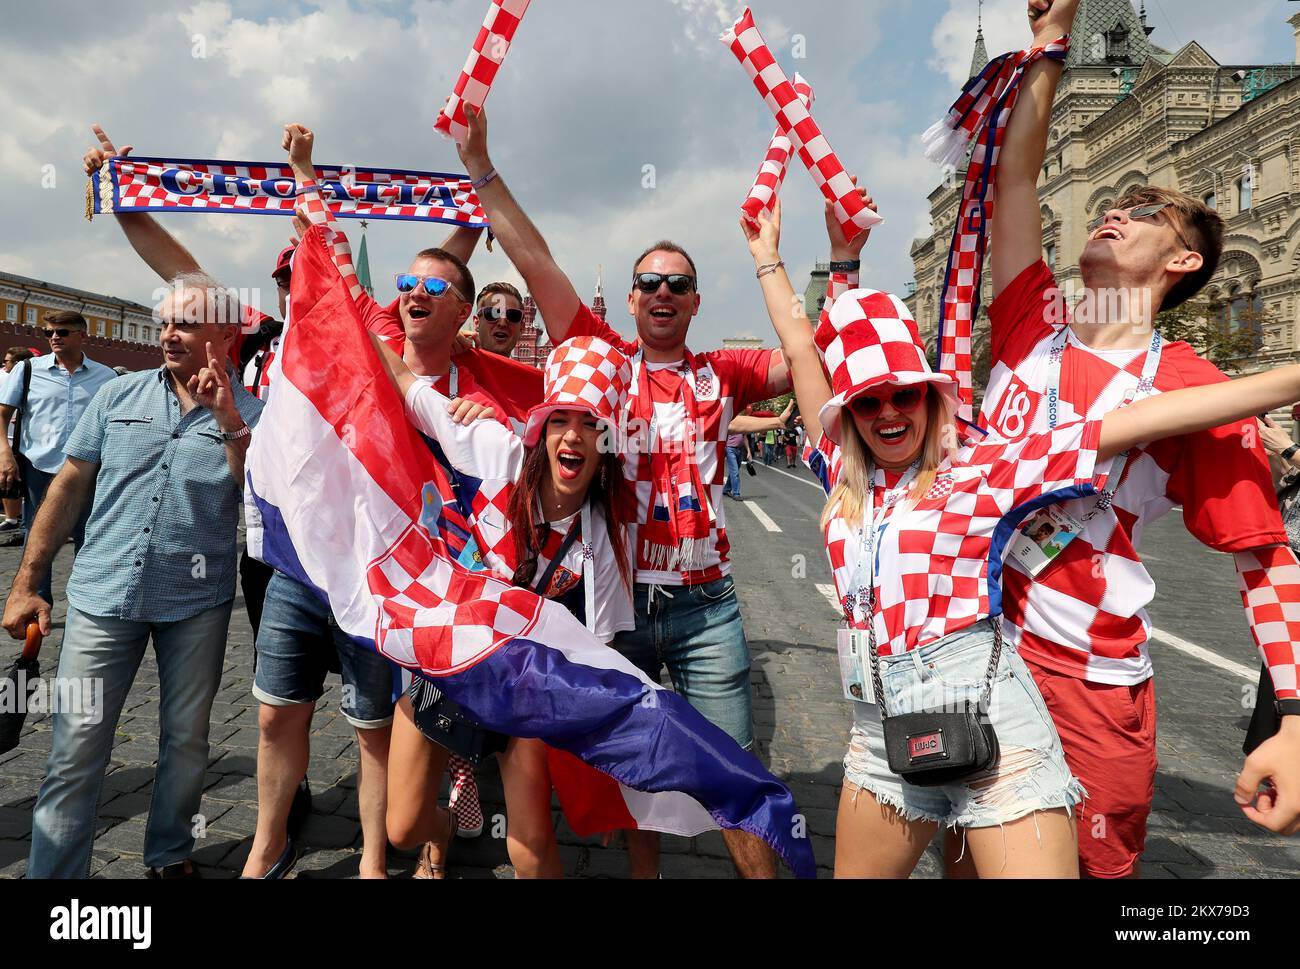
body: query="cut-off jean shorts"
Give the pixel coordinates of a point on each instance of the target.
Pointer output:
(1031, 773)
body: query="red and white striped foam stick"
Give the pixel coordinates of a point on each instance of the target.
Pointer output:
(767, 186)
(795, 121)
(480, 70)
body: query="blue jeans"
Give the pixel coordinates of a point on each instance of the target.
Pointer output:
(294, 645)
(735, 457)
(106, 652)
(695, 630)
(769, 453)
(36, 483)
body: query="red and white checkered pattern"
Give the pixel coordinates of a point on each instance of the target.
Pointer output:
(938, 559)
(137, 185)
(767, 186)
(480, 70)
(980, 115)
(795, 121)
(1270, 591)
(1086, 616)
(868, 338)
(584, 373)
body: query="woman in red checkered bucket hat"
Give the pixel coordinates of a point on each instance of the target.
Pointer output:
(949, 727)
(549, 511)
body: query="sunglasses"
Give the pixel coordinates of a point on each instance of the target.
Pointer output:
(435, 286)
(679, 284)
(494, 313)
(904, 399)
(60, 332)
(1143, 212)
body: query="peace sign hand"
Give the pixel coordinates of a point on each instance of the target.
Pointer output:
(211, 388)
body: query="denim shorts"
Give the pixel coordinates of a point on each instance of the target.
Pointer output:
(695, 631)
(1031, 773)
(294, 643)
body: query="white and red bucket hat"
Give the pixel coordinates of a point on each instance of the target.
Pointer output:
(584, 373)
(868, 338)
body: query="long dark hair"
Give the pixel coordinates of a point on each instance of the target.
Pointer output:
(608, 489)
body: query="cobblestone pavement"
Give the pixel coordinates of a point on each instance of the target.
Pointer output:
(801, 723)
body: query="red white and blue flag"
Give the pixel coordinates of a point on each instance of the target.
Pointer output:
(342, 481)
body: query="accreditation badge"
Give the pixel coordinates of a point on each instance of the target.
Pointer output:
(855, 665)
(1042, 538)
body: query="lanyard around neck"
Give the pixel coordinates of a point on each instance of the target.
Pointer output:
(872, 537)
(581, 528)
(1146, 384)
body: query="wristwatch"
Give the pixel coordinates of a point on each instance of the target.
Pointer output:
(236, 435)
(1289, 452)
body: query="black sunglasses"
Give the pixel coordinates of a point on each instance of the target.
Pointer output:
(60, 332)
(679, 284)
(494, 313)
(904, 399)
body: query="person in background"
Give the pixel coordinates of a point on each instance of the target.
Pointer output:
(499, 318)
(62, 386)
(13, 507)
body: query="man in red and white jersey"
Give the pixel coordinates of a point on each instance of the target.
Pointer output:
(680, 406)
(1078, 616)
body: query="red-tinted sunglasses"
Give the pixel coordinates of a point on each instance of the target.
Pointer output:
(904, 399)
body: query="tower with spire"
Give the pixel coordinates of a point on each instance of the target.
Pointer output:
(980, 59)
(598, 301)
(363, 264)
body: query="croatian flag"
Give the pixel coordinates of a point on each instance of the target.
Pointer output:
(341, 479)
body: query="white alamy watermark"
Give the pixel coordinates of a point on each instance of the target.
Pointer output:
(75, 922)
(83, 696)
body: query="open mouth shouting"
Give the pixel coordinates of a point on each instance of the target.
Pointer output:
(663, 313)
(570, 463)
(894, 432)
(417, 313)
(1109, 232)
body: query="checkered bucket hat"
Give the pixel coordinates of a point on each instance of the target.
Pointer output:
(866, 339)
(584, 373)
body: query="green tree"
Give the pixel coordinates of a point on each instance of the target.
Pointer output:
(1203, 326)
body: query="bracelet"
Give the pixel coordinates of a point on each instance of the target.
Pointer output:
(848, 266)
(1287, 708)
(243, 432)
(1289, 452)
(486, 179)
(768, 269)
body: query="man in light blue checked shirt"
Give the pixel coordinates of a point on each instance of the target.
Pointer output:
(61, 388)
(163, 452)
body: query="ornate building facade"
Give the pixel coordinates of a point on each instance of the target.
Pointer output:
(533, 346)
(1129, 113)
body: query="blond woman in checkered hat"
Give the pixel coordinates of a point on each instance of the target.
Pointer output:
(550, 512)
(917, 523)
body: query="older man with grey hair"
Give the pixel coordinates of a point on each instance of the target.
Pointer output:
(162, 451)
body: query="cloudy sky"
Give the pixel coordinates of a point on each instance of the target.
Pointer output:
(592, 92)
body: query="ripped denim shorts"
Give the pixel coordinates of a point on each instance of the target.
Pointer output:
(1030, 775)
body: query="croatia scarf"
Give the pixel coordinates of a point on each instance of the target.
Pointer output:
(135, 184)
(980, 117)
(343, 481)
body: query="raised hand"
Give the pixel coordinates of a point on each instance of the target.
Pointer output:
(1055, 17)
(764, 235)
(94, 158)
(847, 249)
(298, 141)
(474, 152)
(210, 387)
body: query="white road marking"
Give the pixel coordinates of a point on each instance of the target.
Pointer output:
(763, 518)
(1204, 655)
(811, 484)
(828, 590)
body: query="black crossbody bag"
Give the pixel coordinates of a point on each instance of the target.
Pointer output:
(934, 747)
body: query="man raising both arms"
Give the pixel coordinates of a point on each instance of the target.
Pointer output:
(688, 617)
(1079, 618)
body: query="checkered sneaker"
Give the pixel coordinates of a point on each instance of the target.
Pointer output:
(480, 70)
(767, 186)
(584, 373)
(868, 338)
(794, 120)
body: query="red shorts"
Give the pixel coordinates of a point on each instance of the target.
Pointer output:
(1109, 736)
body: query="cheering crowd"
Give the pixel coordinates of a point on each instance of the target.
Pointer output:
(993, 651)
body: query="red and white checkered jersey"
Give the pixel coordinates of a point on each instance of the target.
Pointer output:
(1085, 615)
(488, 460)
(940, 559)
(726, 382)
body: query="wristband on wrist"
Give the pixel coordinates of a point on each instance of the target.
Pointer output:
(1287, 708)
(1289, 452)
(768, 269)
(487, 179)
(847, 266)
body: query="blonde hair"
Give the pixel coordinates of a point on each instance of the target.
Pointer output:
(849, 496)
